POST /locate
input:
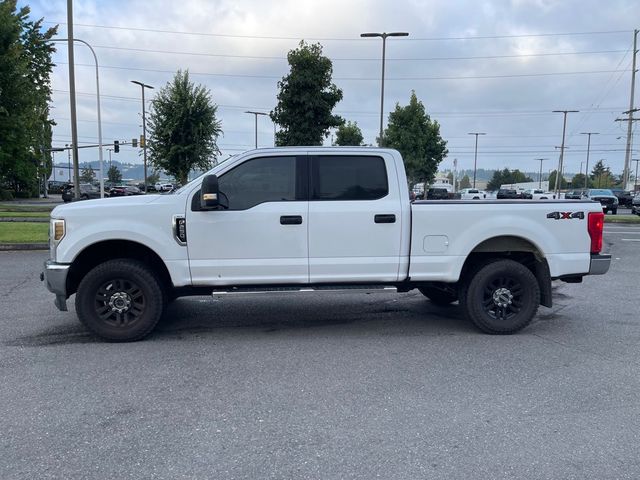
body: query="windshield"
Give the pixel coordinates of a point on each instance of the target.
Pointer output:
(601, 191)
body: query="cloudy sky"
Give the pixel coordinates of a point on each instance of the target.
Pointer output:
(498, 67)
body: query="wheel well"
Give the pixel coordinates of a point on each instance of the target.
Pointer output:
(100, 252)
(513, 248)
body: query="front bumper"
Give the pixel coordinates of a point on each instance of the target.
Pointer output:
(599, 264)
(55, 276)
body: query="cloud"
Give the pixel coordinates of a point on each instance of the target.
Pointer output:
(513, 108)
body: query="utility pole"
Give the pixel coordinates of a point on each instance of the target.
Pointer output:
(627, 156)
(72, 101)
(560, 162)
(586, 170)
(255, 114)
(635, 179)
(475, 156)
(540, 177)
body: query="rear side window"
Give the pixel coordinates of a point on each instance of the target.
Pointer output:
(348, 178)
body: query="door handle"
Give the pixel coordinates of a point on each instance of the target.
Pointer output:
(385, 218)
(291, 220)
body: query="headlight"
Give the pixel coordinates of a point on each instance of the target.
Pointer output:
(58, 229)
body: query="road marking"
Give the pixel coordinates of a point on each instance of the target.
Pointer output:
(630, 239)
(622, 232)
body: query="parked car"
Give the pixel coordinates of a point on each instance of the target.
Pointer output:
(625, 197)
(163, 187)
(537, 194)
(606, 198)
(437, 194)
(472, 194)
(635, 204)
(574, 195)
(124, 191)
(87, 191)
(507, 193)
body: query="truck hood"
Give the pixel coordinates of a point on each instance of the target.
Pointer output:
(104, 206)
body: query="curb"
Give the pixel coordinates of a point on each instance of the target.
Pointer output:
(4, 247)
(25, 219)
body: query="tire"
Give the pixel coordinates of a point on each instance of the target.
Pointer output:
(120, 300)
(84, 197)
(501, 297)
(438, 296)
(614, 211)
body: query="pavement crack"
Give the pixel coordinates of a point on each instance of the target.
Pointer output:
(16, 287)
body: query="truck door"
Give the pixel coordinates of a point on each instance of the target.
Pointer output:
(262, 237)
(355, 222)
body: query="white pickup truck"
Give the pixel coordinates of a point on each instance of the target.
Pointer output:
(309, 218)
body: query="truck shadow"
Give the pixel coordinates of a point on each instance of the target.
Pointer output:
(383, 314)
(332, 314)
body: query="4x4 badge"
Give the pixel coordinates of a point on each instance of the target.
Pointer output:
(565, 215)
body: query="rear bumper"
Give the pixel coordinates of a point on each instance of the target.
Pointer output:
(599, 264)
(55, 277)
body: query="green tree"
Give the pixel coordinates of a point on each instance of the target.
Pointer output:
(552, 181)
(25, 91)
(349, 134)
(507, 177)
(411, 131)
(87, 175)
(113, 175)
(601, 175)
(465, 182)
(306, 98)
(577, 181)
(183, 128)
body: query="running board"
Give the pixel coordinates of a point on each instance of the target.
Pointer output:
(315, 288)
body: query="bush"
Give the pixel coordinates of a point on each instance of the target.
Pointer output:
(6, 195)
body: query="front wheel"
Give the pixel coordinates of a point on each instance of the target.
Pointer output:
(501, 297)
(120, 300)
(614, 211)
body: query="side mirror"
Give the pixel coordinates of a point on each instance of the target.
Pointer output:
(209, 195)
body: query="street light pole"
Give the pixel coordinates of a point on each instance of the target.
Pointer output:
(540, 176)
(144, 130)
(73, 116)
(384, 36)
(255, 114)
(586, 170)
(560, 162)
(475, 156)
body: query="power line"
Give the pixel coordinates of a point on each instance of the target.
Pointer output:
(343, 39)
(275, 77)
(265, 57)
(371, 112)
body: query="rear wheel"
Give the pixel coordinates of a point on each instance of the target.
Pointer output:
(501, 297)
(439, 296)
(120, 300)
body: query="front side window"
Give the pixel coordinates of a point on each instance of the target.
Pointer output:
(349, 178)
(266, 179)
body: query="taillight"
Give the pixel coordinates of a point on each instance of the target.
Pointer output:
(595, 227)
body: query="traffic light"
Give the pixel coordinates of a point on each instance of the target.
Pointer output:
(134, 142)
(142, 141)
(116, 146)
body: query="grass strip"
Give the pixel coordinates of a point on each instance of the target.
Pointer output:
(8, 214)
(24, 232)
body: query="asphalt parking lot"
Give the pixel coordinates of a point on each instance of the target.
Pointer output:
(329, 385)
